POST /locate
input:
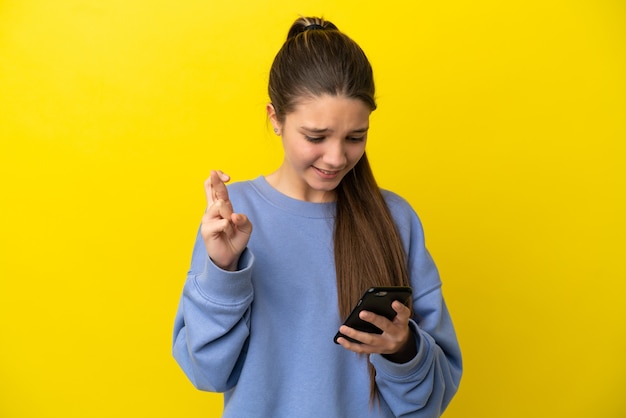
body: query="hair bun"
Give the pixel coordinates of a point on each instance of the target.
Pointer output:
(305, 24)
(313, 26)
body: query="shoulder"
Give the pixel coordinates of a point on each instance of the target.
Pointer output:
(400, 208)
(240, 186)
(251, 196)
(394, 199)
(242, 189)
(403, 214)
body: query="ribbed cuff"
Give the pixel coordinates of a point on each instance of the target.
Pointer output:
(389, 369)
(227, 287)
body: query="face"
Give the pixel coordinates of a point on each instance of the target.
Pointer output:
(323, 139)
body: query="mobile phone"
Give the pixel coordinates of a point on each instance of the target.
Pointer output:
(377, 300)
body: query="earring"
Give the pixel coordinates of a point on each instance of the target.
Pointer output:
(276, 131)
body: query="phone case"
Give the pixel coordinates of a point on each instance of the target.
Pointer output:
(377, 300)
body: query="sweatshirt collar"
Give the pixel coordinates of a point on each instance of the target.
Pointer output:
(291, 205)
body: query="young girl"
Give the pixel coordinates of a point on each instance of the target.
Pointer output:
(261, 305)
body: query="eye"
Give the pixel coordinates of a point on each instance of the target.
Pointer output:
(314, 139)
(356, 138)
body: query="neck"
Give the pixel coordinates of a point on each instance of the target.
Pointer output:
(293, 186)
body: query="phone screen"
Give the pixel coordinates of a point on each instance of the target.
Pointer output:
(377, 300)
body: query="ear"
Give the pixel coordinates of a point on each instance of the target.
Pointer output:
(271, 114)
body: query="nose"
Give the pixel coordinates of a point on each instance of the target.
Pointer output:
(335, 154)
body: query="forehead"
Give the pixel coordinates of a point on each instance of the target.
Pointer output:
(328, 111)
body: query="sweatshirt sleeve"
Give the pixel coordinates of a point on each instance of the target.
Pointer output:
(212, 323)
(424, 386)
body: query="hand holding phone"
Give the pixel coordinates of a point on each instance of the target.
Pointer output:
(377, 300)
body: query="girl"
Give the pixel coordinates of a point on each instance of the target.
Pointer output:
(259, 309)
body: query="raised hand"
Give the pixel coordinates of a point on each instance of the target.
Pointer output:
(225, 233)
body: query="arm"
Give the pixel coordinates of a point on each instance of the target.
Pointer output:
(425, 385)
(212, 324)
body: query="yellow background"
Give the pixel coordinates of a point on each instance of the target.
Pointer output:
(502, 122)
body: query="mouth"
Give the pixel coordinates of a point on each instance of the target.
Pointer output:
(327, 174)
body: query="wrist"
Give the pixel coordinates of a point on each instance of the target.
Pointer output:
(406, 353)
(232, 266)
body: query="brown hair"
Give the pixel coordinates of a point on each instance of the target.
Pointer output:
(318, 59)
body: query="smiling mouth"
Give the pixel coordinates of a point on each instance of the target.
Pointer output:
(327, 172)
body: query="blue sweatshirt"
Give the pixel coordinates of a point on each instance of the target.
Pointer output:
(263, 335)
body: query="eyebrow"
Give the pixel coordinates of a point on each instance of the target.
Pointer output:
(326, 130)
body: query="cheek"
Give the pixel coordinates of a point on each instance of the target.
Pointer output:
(355, 154)
(302, 153)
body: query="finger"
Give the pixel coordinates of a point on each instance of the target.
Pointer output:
(386, 325)
(374, 319)
(348, 345)
(363, 338)
(218, 228)
(403, 311)
(208, 192)
(242, 223)
(221, 209)
(218, 210)
(218, 186)
(215, 188)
